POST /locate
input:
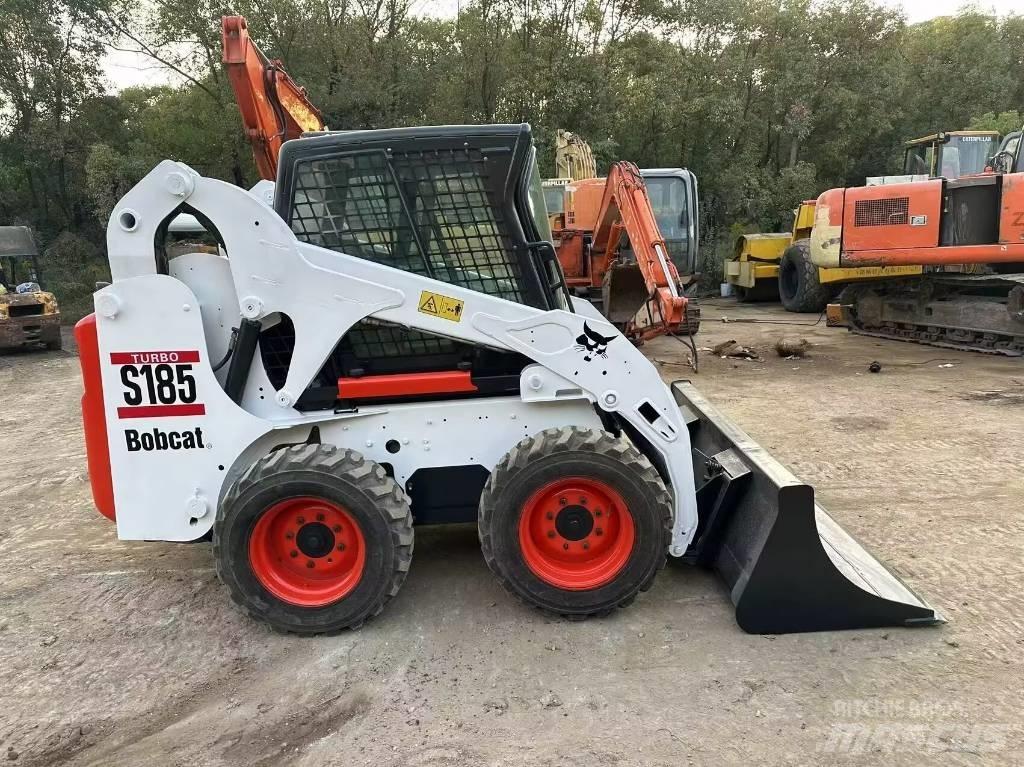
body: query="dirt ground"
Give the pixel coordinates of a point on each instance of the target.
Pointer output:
(131, 653)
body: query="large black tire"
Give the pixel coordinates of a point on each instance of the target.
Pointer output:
(543, 461)
(371, 499)
(799, 288)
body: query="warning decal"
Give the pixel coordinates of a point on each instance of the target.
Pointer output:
(441, 306)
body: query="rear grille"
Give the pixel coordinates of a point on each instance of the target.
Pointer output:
(24, 310)
(889, 211)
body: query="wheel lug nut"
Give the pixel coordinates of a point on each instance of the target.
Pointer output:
(599, 531)
(289, 535)
(319, 517)
(563, 501)
(310, 564)
(294, 554)
(565, 546)
(341, 547)
(301, 520)
(597, 513)
(583, 500)
(551, 533)
(586, 546)
(550, 515)
(337, 528)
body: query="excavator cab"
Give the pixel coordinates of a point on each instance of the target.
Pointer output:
(1009, 158)
(673, 195)
(950, 154)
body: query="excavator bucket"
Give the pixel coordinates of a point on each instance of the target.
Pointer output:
(789, 566)
(624, 292)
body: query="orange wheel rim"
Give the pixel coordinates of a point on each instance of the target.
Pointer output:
(576, 533)
(307, 551)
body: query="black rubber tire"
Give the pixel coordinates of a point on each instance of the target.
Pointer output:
(572, 451)
(345, 477)
(799, 288)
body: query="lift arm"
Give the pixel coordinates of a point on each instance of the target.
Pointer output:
(625, 207)
(274, 107)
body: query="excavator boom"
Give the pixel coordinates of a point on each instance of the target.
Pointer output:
(640, 296)
(274, 107)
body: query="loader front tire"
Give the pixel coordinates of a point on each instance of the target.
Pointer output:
(800, 290)
(313, 539)
(575, 521)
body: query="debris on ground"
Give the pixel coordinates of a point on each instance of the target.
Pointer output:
(550, 700)
(734, 350)
(875, 367)
(791, 347)
(719, 349)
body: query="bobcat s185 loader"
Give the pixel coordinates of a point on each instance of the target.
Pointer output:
(393, 344)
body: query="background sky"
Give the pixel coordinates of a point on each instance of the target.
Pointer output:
(126, 69)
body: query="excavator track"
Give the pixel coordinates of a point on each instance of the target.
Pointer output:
(977, 313)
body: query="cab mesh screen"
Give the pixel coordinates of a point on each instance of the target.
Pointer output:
(426, 212)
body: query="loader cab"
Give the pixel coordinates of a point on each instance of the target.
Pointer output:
(673, 195)
(951, 154)
(460, 204)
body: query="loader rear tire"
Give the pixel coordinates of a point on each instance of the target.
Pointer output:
(313, 539)
(575, 522)
(799, 287)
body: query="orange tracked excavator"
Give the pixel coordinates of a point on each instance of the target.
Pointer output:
(968, 233)
(639, 289)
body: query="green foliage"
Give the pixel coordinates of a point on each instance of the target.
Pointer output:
(768, 102)
(1004, 122)
(72, 266)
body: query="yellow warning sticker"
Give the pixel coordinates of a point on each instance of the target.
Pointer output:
(445, 307)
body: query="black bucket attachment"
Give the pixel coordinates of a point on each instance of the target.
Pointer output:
(624, 292)
(788, 565)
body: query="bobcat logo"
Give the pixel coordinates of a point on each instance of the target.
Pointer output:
(592, 344)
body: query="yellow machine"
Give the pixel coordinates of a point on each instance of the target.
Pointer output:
(574, 161)
(29, 315)
(766, 267)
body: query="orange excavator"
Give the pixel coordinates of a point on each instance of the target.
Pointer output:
(637, 288)
(274, 107)
(967, 232)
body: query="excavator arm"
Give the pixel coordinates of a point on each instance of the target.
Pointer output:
(274, 107)
(652, 283)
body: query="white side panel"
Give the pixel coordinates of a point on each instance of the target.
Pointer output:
(170, 446)
(431, 434)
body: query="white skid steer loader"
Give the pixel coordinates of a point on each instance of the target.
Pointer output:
(393, 344)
